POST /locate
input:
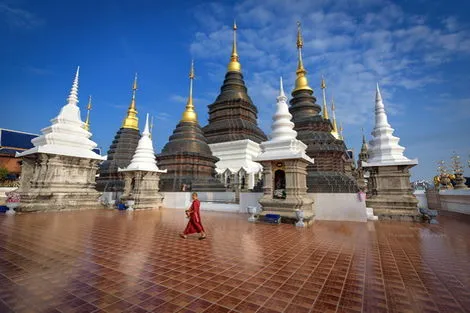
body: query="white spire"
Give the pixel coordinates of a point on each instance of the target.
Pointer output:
(73, 97)
(384, 148)
(282, 127)
(144, 156)
(66, 135)
(283, 144)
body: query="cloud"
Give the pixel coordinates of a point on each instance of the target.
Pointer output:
(353, 49)
(162, 116)
(20, 18)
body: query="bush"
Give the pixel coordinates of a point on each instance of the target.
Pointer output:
(3, 173)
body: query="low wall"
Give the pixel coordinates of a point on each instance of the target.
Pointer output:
(339, 207)
(216, 196)
(422, 199)
(182, 200)
(455, 201)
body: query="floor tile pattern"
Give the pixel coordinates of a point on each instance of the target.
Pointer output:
(110, 261)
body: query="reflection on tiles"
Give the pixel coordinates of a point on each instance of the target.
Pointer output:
(109, 261)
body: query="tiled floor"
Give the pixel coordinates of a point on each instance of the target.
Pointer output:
(108, 261)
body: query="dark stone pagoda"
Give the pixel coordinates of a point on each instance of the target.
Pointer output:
(187, 156)
(120, 152)
(233, 115)
(327, 174)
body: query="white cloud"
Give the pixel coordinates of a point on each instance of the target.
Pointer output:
(19, 18)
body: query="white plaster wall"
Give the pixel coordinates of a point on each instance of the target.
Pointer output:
(217, 196)
(176, 200)
(220, 207)
(455, 200)
(422, 200)
(249, 199)
(339, 207)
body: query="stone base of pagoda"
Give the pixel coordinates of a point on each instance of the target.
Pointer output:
(296, 197)
(142, 187)
(390, 193)
(51, 182)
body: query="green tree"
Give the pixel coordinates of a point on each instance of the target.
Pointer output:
(3, 173)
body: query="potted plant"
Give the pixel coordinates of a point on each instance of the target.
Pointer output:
(13, 201)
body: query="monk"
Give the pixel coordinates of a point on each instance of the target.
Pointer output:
(194, 224)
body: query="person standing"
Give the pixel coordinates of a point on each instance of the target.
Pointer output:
(194, 224)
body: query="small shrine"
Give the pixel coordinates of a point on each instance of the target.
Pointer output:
(142, 176)
(58, 173)
(285, 169)
(389, 189)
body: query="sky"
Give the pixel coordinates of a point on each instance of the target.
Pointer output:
(418, 51)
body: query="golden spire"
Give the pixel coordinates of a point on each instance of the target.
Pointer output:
(301, 82)
(189, 115)
(234, 64)
(341, 131)
(334, 131)
(325, 108)
(86, 126)
(131, 120)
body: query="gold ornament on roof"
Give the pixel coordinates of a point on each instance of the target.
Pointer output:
(325, 108)
(131, 120)
(301, 82)
(334, 131)
(234, 64)
(189, 115)
(86, 126)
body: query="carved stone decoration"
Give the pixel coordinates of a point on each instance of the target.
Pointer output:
(52, 182)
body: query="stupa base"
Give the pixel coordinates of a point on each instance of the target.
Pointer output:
(142, 187)
(51, 182)
(397, 208)
(287, 208)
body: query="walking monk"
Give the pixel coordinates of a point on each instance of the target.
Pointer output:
(194, 224)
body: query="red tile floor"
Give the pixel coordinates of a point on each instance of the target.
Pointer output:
(109, 261)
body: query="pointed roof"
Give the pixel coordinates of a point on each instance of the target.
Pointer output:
(283, 144)
(234, 64)
(384, 148)
(301, 82)
(189, 115)
(131, 120)
(282, 127)
(66, 136)
(86, 126)
(325, 108)
(334, 131)
(144, 156)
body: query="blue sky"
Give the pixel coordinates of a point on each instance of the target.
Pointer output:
(419, 52)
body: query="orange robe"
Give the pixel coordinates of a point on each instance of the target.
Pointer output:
(194, 224)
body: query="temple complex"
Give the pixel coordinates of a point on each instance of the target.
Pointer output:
(390, 192)
(58, 173)
(232, 132)
(120, 153)
(327, 175)
(187, 156)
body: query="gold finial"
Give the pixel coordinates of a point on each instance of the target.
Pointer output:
(325, 108)
(341, 131)
(334, 131)
(131, 120)
(234, 64)
(301, 82)
(189, 115)
(86, 126)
